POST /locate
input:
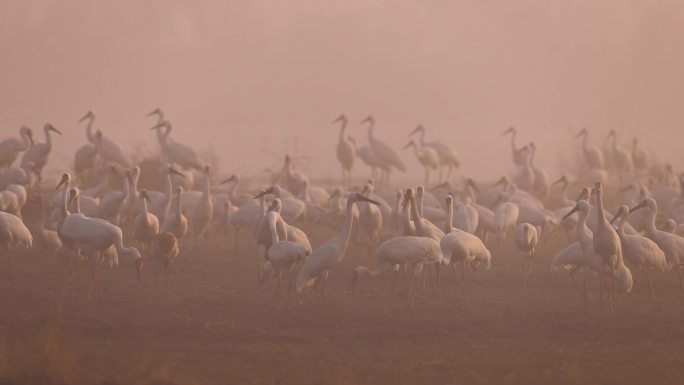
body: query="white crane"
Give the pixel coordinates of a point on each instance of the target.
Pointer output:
(10, 148)
(620, 157)
(14, 236)
(448, 157)
(177, 153)
(85, 157)
(366, 154)
(39, 153)
(330, 254)
(161, 200)
(589, 256)
(203, 210)
(427, 157)
(176, 223)
(293, 208)
(517, 154)
(542, 187)
(638, 250)
(505, 215)
(671, 244)
(282, 255)
(433, 214)
(466, 217)
(237, 198)
(92, 236)
(112, 205)
(146, 224)
(384, 154)
(345, 150)
(460, 247)
(606, 242)
(370, 219)
(292, 179)
(593, 155)
(110, 151)
(424, 228)
(526, 239)
(402, 251)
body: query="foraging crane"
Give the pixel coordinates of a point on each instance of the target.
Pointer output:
(638, 250)
(318, 266)
(10, 148)
(384, 153)
(517, 153)
(402, 251)
(177, 153)
(671, 244)
(593, 156)
(345, 150)
(448, 157)
(38, 153)
(427, 157)
(163, 250)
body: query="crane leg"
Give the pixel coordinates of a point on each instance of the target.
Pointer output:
(650, 285)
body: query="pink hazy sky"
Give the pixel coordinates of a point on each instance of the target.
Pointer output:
(239, 77)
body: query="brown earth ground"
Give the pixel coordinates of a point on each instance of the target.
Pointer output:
(214, 326)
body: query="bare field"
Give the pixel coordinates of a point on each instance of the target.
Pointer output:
(214, 326)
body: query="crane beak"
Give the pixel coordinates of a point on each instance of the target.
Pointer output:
(508, 131)
(51, 128)
(174, 171)
(270, 190)
(362, 198)
(582, 132)
(156, 111)
(368, 119)
(159, 125)
(617, 215)
(62, 181)
(409, 144)
(335, 194)
(562, 179)
(417, 129)
(574, 210)
(340, 118)
(88, 115)
(500, 181)
(639, 206)
(231, 179)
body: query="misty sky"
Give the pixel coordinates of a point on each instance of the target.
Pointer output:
(240, 77)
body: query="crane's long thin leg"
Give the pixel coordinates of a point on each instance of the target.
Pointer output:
(650, 284)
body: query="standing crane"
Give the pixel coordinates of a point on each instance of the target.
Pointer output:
(448, 157)
(177, 153)
(344, 150)
(39, 153)
(384, 154)
(427, 157)
(10, 148)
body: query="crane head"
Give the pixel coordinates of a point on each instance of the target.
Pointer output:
(340, 118)
(509, 130)
(647, 203)
(417, 129)
(25, 130)
(623, 211)
(471, 183)
(179, 190)
(369, 119)
(74, 193)
(574, 210)
(563, 179)
(407, 197)
(582, 132)
(174, 171)
(275, 190)
(409, 144)
(66, 178)
(162, 124)
(501, 180)
(143, 194)
(611, 134)
(50, 127)
(156, 111)
(89, 115)
(232, 178)
(356, 197)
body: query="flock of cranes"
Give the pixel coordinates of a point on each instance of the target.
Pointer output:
(412, 231)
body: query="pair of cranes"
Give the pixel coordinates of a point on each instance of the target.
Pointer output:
(380, 156)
